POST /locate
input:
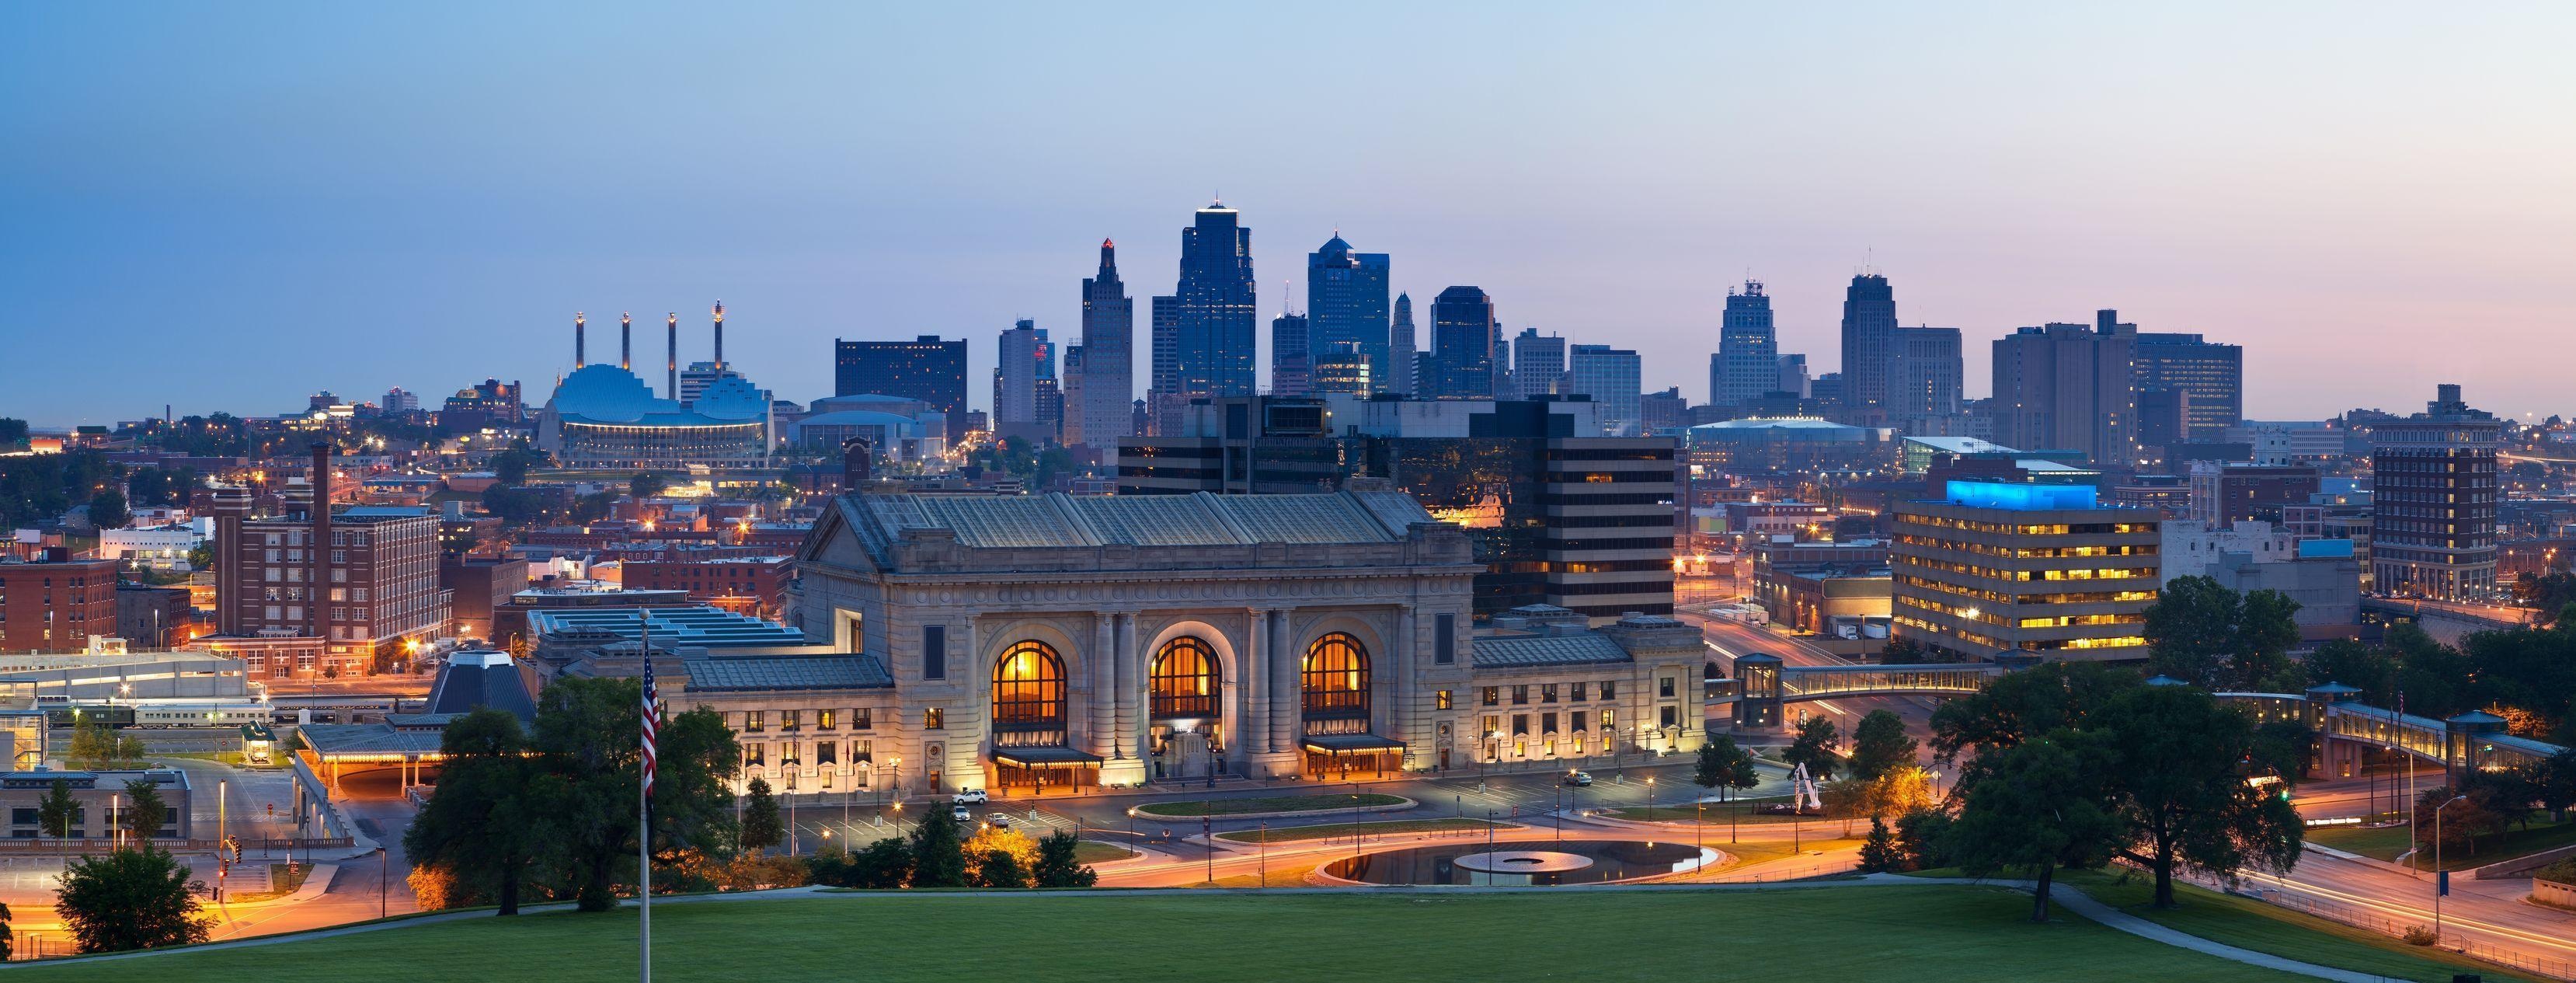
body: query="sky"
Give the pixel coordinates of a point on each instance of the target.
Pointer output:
(227, 207)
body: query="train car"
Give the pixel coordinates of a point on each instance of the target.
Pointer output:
(207, 714)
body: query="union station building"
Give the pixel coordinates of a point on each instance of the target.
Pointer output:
(1054, 642)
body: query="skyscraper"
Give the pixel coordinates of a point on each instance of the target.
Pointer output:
(2432, 530)
(1024, 382)
(1107, 377)
(1869, 319)
(1793, 375)
(1923, 381)
(1204, 333)
(2212, 376)
(1538, 365)
(1346, 302)
(1403, 362)
(925, 368)
(1463, 335)
(1747, 363)
(1292, 357)
(2067, 387)
(1611, 377)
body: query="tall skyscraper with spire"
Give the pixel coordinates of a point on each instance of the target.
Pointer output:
(1108, 372)
(1204, 331)
(1869, 352)
(1346, 303)
(1747, 363)
(1404, 374)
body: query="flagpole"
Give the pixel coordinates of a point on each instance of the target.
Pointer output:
(644, 810)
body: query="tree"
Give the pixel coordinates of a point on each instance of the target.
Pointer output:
(2203, 633)
(2557, 782)
(107, 510)
(938, 858)
(589, 738)
(761, 827)
(2456, 825)
(135, 898)
(1056, 866)
(201, 557)
(2018, 705)
(885, 864)
(646, 484)
(1000, 868)
(1722, 764)
(2281, 748)
(2037, 806)
(510, 467)
(1923, 837)
(480, 828)
(990, 840)
(1880, 746)
(1814, 748)
(1879, 853)
(92, 741)
(144, 811)
(13, 433)
(130, 748)
(2173, 768)
(58, 812)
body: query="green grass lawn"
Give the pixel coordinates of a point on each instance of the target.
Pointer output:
(1765, 851)
(1273, 803)
(1925, 934)
(1326, 831)
(1096, 852)
(2251, 924)
(2390, 842)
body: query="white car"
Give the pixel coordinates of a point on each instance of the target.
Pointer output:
(961, 814)
(1000, 820)
(975, 796)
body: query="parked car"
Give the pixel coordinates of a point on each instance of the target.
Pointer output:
(1582, 778)
(975, 796)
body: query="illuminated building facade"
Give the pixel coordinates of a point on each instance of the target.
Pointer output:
(1999, 568)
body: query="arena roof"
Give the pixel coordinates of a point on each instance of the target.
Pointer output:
(715, 674)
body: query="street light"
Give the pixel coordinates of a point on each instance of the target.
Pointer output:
(2441, 877)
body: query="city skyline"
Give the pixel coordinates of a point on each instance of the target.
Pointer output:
(408, 195)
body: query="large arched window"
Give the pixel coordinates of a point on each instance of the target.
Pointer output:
(1184, 679)
(1335, 679)
(1028, 690)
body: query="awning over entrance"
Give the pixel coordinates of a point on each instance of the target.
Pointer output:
(1044, 757)
(1351, 743)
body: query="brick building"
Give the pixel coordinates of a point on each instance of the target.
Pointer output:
(55, 603)
(755, 586)
(364, 579)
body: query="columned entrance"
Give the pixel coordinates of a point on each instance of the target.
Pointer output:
(1029, 736)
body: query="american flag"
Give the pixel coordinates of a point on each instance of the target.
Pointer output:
(652, 723)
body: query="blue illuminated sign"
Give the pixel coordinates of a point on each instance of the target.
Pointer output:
(2020, 497)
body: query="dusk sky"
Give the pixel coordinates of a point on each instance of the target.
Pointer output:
(231, 206)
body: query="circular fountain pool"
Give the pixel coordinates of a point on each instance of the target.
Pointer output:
(1577, 862)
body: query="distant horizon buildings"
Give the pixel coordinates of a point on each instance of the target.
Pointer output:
(1463, 337)
(1204, 331)
(1101, 394)
(2209, 379)
(926, 368)
(1346, 302)
(1747, 363)
(1868, 332)
(2068, 387)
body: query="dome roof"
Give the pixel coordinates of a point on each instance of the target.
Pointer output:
(604, 393)
(731, 398)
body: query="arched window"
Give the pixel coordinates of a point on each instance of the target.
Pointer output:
(1184, 679)
(1028, 690)
(1335, 679)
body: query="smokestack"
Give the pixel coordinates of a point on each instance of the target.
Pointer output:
(318, 552)
(720, 336)
(232, 505)
(672, 327)
(577, 324)
(858, 464)
(626, 341)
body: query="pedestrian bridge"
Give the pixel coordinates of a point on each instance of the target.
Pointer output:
(2344, 725)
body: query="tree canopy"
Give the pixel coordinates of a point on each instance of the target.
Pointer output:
(1880, 745)
(132, 898)
(2039, 805)
(2203, 633)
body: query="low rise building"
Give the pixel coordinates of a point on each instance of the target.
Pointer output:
(100, 800)
(2023, 569)
(55, 603)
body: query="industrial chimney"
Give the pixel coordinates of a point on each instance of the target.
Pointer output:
(577, 324)
(671, 326)
(720, 336)
(626, 341)
(318, 552)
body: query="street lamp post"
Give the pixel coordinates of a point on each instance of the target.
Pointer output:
(384, 872)
(2440, 883)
